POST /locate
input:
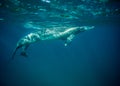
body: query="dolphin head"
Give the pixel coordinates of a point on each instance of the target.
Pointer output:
(85, 28)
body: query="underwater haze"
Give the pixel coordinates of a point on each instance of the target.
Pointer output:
(91, 59)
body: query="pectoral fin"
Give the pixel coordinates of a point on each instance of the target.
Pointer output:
(69, 39)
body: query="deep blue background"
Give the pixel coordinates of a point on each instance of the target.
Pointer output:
(92, 59)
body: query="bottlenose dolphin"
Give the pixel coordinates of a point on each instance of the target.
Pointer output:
(48, 34)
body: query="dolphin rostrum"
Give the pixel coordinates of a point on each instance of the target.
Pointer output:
(48, 34)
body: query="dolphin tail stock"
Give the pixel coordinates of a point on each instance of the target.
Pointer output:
(14, 52)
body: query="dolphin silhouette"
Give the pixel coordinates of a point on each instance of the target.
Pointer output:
(48, 34)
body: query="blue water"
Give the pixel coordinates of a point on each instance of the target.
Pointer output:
(92, 59)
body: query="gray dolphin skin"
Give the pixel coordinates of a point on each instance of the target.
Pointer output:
(48, 34)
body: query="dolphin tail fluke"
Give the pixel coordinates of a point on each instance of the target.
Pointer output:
(14, 52)
(13, 55)
(23, 53)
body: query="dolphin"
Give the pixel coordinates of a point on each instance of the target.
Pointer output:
(67, 35)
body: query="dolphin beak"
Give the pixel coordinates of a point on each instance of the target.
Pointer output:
(92, 27)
